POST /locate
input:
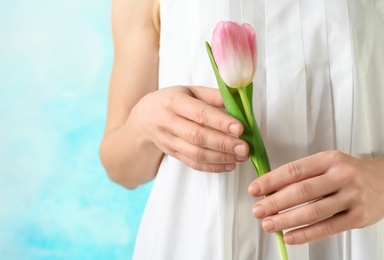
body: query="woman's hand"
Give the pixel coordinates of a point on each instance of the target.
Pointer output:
(329, 193)
(188, 124)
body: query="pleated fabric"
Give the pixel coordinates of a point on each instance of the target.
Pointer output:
(319, 86)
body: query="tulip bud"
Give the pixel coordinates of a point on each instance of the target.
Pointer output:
(235, 52)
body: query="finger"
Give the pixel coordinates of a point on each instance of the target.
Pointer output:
(296, 194)
(290, 173)
(206, 167)
(209, 138)
(203, 155)
(307, 214)
(210, 96)
(202, 113)
(200, 159)
(323, 229)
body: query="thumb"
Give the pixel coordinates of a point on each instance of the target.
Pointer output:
(208, 95)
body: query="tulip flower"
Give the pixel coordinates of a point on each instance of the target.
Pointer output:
(233, 56)
(234, 50)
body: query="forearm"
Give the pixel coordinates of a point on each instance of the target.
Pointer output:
(128, 157)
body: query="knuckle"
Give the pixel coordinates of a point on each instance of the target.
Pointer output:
(273, 206)
(223, 124)
(169, 102)
(303, 191)
(201, 115)
(314, 213)
(360, 218)
(196, 137)
(215, 168)
(337, 157)
(165, 143)
(282, 223)
(356, 195)
(224, 158)
(267, 182)
(294, 171)
(195, 166)
(191, 163)
(224, 145)
(197, 154)
(326, 229)
(305, 236)
(174, 154)
(161, 124)
(353, 179)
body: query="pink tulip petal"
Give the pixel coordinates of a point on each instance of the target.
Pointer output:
(233, 47)
(252, 43)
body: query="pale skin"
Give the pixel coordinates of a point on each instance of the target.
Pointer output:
(143, 122)
(344, 193)
(187, 122)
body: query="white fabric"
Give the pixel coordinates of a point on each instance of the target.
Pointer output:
(319, 86)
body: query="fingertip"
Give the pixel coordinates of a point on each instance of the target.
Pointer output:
(235, 129)
(254, 189)
(289, 239)
(268, 225)
(230, 167)
(241, 150)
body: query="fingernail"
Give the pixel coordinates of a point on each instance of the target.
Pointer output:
(289, 239)
(259, 211)
(241, 158)
(254, 189)
(240, 150)
(230, 167)
(234, 129)
(268, 225)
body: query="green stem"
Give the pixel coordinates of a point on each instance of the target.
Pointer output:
(258, 154)
(260, 161)
(262, 168)
(247, 107)
(251, 133)
(281, 245)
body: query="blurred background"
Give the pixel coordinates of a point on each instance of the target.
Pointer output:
(56, 201)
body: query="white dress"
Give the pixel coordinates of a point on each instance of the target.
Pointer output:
(319, 86)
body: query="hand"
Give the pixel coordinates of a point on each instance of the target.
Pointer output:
(188, 124)
(336, 192)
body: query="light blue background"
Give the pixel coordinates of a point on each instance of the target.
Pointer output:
(55, 199)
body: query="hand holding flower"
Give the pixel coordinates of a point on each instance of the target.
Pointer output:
(338, 192)
(187, 123)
